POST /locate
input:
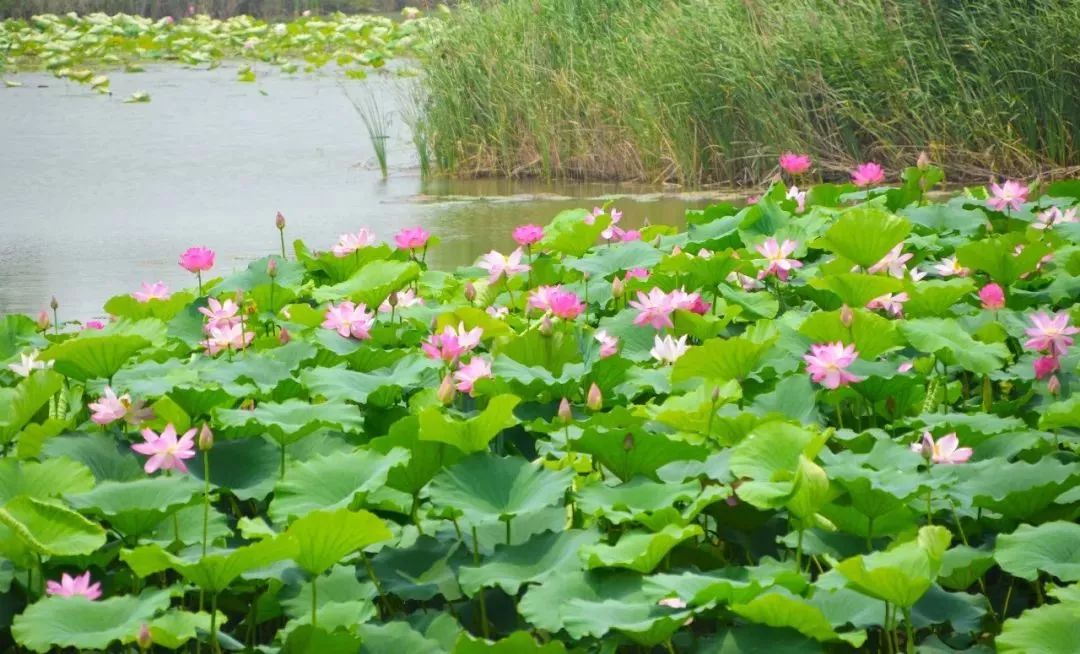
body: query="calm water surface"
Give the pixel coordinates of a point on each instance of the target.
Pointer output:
(99, 196)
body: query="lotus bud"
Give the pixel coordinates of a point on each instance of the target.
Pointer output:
(1054, 385)
(279, 221)
(847, 316)
(54, 305)
(617, 288)
(545, 326)
(923, 161)
(144, 640)
(206, 438)
(247, 405)
(676, 251)
(447, 391)
(926, 447)
(470, 291)
(271, 268)
(392, 300)
(284, 336)
(594, 400)
(565, 414)
(716, 395)
(43, 320)
(628, 442)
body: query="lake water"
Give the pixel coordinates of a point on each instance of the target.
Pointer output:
(99, 196)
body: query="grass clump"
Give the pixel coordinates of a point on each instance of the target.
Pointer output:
(700, 91)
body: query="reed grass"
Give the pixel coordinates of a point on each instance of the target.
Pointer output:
(710, 91)
(378, 124)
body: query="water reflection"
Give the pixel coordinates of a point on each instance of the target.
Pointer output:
(99, 196)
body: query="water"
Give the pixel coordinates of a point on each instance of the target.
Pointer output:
(99, 196)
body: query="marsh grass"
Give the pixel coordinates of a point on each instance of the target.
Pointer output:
(708, 91)
(377, 122)
(411, 101)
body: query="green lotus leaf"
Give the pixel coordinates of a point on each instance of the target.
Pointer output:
(962, 566)
(758, 639)
(652, 504)
(50, 478)
(780, 608)
(86, 357)
(1052, 547)
(372, 284)
(472, 434)
(338, 586)
(291, 420)
(533, 349)
(175, 627)
(947, 217)
(962, 611)
(16, 332)
(323, 538)
(185, 526)
(691, 411)
(865, 233)
(937, 297)
(1065, 413)
(512, 566)
(106, 459)
(135, 507)
(568, 233)
(126, 306)
(396, 635)
(871, 334)
(627, 450)
(997, 257)
(472, 318)
(290, 274)
(617, 258)
(261, 370)
(857, 289)
(485, 488)
(153, 379)
(426, 458)
(519, 642)
(48, 529)
(424, 570)
(306, 639)
(332, 482)
(1018, 489)
(217, 569)
(248, 468)
(774, 450)
(947, 339)
(597, 602)
(341, 384)
(640, 551)
(722, 359)
(900, 575)
(1048, 629)
(339, 269)
(19, 404)
(722, 586)
(84, 624)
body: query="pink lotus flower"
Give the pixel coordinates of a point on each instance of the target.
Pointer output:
(69, 586)
(197, 260)
(666, 350)
(109, 408)
(828, 363)
(499, 266)
(468, 374)
(653, 309)
(402, 300)
(594, 400)
(949, 267)
(497, 312)
(777, 256)
(795, 164)
(349, 320)
(905, 366)
(96, 325)
(349, 243)
(867, 174)
(1050, 334)
(527, 235)
(1054, 216)
(944, 450)
(609, 344)
(992, 296)
(1011, 194)
(1046, 366)
(1054, 385)
(155, 291)
(560, 302)
(166, 452)
(895, 262)
(232, 337)
(637, 273)
(800, 198)
(452, 343)
(616, 216)
(626, 235)
(890, 302)
(691, 302)
(412, 238)
(221, 315)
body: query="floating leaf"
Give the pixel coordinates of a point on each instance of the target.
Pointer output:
(84, 624)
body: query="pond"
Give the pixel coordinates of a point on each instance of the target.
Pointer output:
(99, 196)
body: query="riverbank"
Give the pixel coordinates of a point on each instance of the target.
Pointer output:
(697, 92)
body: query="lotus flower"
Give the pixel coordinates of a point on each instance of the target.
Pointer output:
(890, 302)
(28, 364)
(1011, 194)
(109, 408)
(558, 301)
(221, 315)
(1050, 334)
(777, 255)
(228, 338)
(166, 452)
(349, 320)
(69, 586)
(950, 267)
(609, 344)
(944, 450)
(155, 291)
(637, 273)
(667, 350)
(497, 312)
(594, 400)
(653, 309)
(795, 164)
(895, 262)
(95, 325)
(691, 302)
(349, 243)
(527, 235)
(867, 174)
(1054, 216)
(413, 238)
(468, 374)
(402, 300)
(498, 266)
(800, 198)
(828, 364)
(197, 260)
(992, 297)
(451, 343)
(1046, 366)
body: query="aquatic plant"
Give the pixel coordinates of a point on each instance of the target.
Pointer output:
(377, 122)
(721, 438)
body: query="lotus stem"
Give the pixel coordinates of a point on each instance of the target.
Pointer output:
(480, 595)
(281, 234)
(314, 601)
(909, 631)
